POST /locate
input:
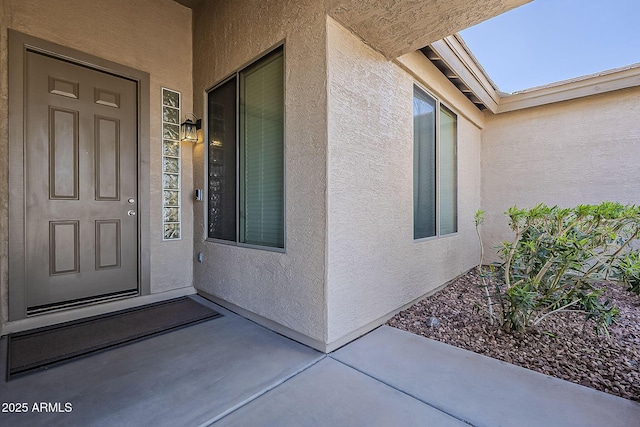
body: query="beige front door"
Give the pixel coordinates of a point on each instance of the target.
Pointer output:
(81, 189)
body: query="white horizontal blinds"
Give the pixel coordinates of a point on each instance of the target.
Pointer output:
(222, 162)
(448, 172)
(262, 152)
(424, 165)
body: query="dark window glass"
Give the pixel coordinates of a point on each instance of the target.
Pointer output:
(222, 161)
(424, 165)
(435, 167)
(448, 166)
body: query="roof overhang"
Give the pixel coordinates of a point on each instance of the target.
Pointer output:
(454, 59)
(594, 84)
(397, 27)
(457, 63)
(191, 4)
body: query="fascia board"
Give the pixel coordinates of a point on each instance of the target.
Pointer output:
(594, 84)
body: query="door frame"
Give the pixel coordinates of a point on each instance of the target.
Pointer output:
(19, 44)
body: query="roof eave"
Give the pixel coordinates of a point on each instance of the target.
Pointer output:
(452, 56)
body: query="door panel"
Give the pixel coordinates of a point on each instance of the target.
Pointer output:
(108, 244)
(64, 247)
(80, 172)
(63, 154)
(107, 158)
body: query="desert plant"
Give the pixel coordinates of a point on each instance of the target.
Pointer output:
(557, 258)
(485, 276)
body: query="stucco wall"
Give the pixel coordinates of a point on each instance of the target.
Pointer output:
(374, 265)
(150, 35)
(284, 288)
(568, 153)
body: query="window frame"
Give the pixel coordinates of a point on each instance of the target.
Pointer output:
(437, 108)
(236, 74)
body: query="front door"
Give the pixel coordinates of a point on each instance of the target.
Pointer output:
(81, 189)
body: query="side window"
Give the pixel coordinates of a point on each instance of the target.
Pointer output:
(435, 171)
(246, 155)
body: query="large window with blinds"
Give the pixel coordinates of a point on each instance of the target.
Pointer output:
(246, 155)
(435, 167)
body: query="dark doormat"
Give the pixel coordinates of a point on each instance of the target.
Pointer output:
(40, 348)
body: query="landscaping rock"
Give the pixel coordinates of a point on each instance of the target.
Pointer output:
(563, 345)
(433, 322)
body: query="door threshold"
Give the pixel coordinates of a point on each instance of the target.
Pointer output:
(62, 315)
(52, 308)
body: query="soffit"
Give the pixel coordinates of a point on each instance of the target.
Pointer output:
(191, 4)
(395, 28)
(454, 60)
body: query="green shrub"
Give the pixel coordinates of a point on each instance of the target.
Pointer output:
(557, 258)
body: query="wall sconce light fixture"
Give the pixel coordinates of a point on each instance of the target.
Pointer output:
(189, 128)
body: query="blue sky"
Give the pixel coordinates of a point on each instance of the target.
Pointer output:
(546, 41)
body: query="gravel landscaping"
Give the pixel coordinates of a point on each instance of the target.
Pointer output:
(563, 346)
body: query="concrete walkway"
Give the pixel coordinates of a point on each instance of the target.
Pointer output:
(232, 372)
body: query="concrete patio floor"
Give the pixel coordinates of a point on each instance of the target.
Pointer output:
(232, 372)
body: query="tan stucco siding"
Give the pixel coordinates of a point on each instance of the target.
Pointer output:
(159, 43)
(374, 264)
(284, 288)
(568, 153)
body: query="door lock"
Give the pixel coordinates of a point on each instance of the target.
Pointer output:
(131, 200)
